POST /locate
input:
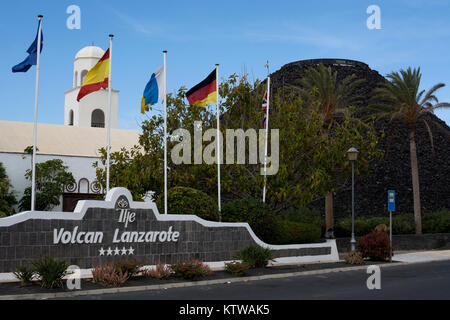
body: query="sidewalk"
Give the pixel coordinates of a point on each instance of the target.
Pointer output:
(414, 256)
(423, 256)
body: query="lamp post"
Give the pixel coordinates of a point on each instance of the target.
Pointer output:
(352, 154)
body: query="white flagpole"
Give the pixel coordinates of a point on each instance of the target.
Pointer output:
(218, 144)
(165, 132)
(267, 138)
(38, 61)
(108, 146)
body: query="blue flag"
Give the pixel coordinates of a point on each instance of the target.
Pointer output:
(31, 60)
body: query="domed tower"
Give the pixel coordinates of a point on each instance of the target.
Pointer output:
(91, 111)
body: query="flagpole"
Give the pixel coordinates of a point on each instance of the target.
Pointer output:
(267, 139)
(165, 131)
(36, 95)
(108, 147)
(218, 144)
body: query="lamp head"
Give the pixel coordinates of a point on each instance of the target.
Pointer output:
(352, 154)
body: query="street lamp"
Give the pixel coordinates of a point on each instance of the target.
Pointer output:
(352, 154)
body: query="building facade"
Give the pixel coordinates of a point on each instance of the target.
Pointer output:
(91, 111)
(76, 143)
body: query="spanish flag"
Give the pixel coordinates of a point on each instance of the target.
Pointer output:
(97, 78)
(205, 92)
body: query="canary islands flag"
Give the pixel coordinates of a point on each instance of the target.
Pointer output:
(154, 90)
(31, 60)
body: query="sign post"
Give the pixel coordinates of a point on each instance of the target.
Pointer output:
(391, 208)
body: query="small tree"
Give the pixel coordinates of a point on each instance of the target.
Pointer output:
(7, 198)
(51, 177)
(331, 99)
(311, 163)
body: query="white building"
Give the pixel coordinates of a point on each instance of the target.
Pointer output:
(76, 142)
(91, 111)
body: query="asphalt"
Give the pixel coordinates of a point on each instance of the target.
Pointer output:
(412, 281)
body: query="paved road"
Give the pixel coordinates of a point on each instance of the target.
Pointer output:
(414, 281)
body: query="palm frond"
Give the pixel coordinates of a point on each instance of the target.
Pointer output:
(430, 134)
(430, 94)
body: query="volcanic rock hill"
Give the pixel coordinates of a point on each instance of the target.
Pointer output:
(394, 171)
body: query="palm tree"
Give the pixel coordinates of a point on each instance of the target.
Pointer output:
(399, 99)
(331, 99)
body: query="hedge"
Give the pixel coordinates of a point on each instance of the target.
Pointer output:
(182, 200)
(292, 232)
(254, 212)
(289, 227)
(436, 222)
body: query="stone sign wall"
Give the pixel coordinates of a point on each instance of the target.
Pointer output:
(104, 231)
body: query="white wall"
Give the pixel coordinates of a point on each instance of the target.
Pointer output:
(82, 111)
(16, 165)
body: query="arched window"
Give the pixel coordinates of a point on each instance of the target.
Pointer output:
(83, 185)
(98, 119)
(83, 74)
(71, 118)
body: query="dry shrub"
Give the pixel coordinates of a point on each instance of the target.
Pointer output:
(109, 276)
(374, 245)
(129, 266)
(160, 272)
(354, 258)
(382, 228)
(237, 268)
(191, 270)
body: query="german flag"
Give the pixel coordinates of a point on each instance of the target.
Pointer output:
(97, 78)
(204, 93)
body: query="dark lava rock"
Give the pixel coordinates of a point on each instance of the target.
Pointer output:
(394, 172)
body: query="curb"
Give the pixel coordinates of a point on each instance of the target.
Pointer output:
(44, 296)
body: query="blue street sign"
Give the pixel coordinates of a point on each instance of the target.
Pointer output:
(391, 200)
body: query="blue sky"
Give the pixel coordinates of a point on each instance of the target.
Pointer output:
(240, 35)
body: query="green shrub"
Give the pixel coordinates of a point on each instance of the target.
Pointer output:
(129, 266)
(255, 256)
(182, 200)
(7, 198)
(25, 274)
(191, 270)
(436, 222)
(109, 276)
(237, 268)
(343, 227)
(304, 215)
(374, 245)
(403, 224)
(51, 176)
(354, 258)
(291, 232)
(50, 271)
(254, 212)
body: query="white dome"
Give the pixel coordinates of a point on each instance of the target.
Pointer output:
(90, 52)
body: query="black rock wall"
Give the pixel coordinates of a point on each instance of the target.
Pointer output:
(394, 172)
